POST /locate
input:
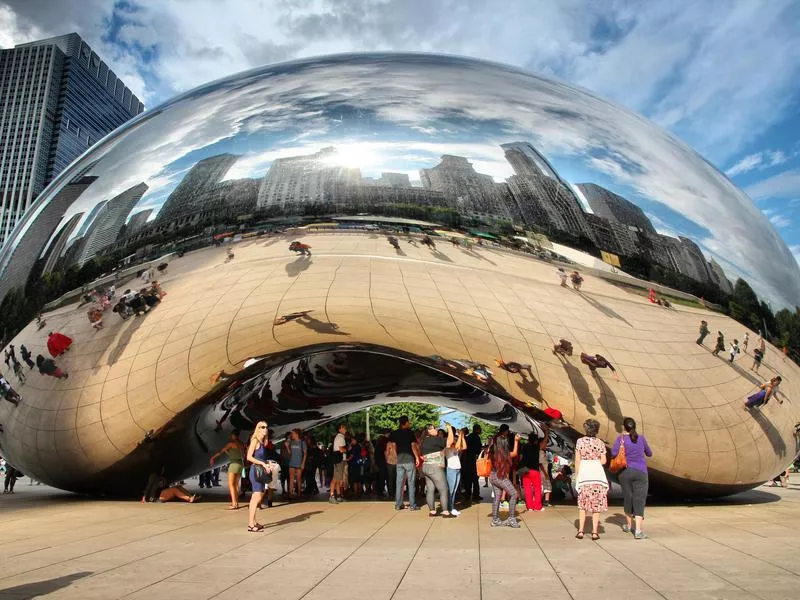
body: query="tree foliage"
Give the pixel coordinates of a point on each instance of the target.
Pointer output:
(381, 417)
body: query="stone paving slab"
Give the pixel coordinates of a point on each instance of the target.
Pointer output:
(58, 545)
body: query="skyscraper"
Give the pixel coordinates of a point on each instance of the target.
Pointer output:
(303, 179)
(57, 98)
(137, 221)
(203, 176)
(718, 276)
(614, 207)
(24, 255)
(541, 193)
(106, 227)
(462, 185)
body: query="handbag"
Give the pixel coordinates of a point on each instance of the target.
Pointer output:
(619, 462)
(483, 465)
(262, 475)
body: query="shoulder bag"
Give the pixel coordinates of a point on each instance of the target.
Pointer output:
(619, 462)
(483, 465)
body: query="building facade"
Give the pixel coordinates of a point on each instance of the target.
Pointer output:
(57, 98)
(718, 277)
(611, 206)
(464, 188)
(186, 199)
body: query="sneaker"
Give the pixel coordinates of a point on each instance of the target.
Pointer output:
(512, 522)
(455, 512)
(403, 507)
(332, 500)
(340, 500)
(626, 529)
(640, 535)
(497, 523)
(413, 508)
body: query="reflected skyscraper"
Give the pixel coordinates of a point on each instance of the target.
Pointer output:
(137, 221)
(302, 179)
(202, 177)
(718, 276)
(607, 204)
(106, 227)
(470, 191)
(58, 98)
(44, 227)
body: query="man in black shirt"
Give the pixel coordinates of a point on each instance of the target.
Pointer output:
(407, 456)
(468, 470)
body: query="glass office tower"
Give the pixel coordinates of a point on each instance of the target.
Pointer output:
(57, 98)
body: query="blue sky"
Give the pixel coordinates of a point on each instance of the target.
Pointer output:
(720, 75)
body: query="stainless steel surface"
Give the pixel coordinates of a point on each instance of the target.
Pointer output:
(334, 136)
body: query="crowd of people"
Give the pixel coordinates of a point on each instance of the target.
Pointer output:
(764, 392)
(443, 466)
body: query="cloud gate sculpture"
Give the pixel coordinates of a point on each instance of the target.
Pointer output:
(205, 194)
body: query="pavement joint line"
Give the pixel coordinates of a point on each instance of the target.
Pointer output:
(605, 550)
(478, 535)
(413, 556)
(120, 545)
(356, 549)
(94, 573)
(547, 558)
(285, 554)
(372, 307)
(272, 531)
(692, 531)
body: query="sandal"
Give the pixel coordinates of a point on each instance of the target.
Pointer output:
(595, 536)
(579, 535)
(255, 528)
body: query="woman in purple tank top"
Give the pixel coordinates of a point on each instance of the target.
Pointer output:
(633, 478)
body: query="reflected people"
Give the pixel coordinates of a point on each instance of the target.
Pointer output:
(475, 228)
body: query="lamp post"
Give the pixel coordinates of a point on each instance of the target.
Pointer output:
(368, 423)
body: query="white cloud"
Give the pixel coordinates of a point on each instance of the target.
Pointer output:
(783, 185)
(759, 160)
(776, 218)
(748, 163)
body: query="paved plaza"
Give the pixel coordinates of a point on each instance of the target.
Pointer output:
(58, 545)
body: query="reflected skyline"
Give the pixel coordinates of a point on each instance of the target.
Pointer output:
(401, 113)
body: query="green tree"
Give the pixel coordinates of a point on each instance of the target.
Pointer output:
(381, 417)
(487, 429)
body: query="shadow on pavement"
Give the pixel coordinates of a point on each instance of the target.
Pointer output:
(42, 588)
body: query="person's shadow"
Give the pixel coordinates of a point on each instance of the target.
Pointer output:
(607, 311)
(773, 435)
(320, 326)
(295, 519)
(581, 387)
(43, 588)
(297, 266)
(530, 386)
(609, 403)
(441, 256)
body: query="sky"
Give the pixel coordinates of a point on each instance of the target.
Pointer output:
(720, 75)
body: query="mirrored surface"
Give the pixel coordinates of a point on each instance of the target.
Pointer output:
(383, 200)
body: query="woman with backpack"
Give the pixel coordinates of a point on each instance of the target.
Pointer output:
(633, 477)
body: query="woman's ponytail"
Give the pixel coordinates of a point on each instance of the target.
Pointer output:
(630, 427)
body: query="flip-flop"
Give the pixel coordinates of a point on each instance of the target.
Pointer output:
(255, 528)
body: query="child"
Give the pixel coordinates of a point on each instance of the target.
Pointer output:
(734, 350)
(720, 344)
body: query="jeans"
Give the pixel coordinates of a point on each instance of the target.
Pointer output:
(405, 470)
(435, 479)
(453, 478)
(391, 479)
(532, 484)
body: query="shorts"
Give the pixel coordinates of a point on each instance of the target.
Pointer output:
(235, 467)
(338, 471)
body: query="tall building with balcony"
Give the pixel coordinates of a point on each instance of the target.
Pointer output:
(202, 177)
(57, 98)
(611, 206)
